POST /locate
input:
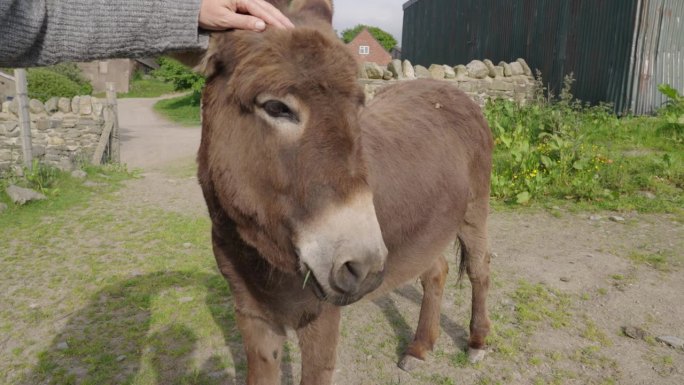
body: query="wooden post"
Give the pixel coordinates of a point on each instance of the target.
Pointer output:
(114, 110)
(24, 117)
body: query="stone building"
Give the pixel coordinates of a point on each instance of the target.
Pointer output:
(366, 48)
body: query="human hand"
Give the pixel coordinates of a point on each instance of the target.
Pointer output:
(240, 14)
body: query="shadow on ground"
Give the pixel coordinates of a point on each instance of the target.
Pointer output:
(104, 342)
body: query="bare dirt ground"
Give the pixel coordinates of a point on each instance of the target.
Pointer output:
(564, 286)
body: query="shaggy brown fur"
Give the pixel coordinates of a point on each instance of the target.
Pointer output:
(422, 148)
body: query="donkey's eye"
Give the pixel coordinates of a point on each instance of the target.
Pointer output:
(277, 109)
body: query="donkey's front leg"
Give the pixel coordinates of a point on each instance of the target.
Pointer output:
(264, 345)
(318, 344)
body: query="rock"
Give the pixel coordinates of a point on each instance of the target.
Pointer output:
(437, 71)
(55, 141)
(36, 106)
(75, 103)
(387, 75)
(449, 72)
(361, 73)
(51, 105)
(498, 71)
(187, 245)
(616, 218)
(79, 174)
(396, 68)
(647, 194)
(5, 107)
(527, 71)
(37, 150)
(85, 105)
(634, 332)
(477, 69)
(20, 195)
(64, 105)
(565, 279)
(3, 207)
(490, 67)
(120, 358)
(595, 218)
(407, 69)
(461, 72)
(373, 71)
(516, 69)
(185, 299)
(13, 107)
(98, 107)
(501, 85)
(672, 341)
(42, 124)
(62, 346)
(422, 72)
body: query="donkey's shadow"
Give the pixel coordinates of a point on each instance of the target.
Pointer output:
(105, 342)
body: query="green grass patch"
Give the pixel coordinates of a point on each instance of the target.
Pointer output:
(147, 88)
(183, 110)
(659, 261)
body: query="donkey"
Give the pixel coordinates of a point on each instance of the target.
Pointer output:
(318, 200)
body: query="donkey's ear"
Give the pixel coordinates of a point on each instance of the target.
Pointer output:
(320, 9)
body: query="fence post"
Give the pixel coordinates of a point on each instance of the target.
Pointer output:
(24, 117)
(114, 146)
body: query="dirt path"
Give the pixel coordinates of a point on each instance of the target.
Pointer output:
(148, 140)
(564, 286)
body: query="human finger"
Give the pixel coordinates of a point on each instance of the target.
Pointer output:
(265, 11)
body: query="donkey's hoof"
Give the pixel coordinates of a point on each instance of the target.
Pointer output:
(409, 362)
(476, 355)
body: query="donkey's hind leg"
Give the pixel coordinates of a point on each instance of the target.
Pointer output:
(427, 332)
(476, 257)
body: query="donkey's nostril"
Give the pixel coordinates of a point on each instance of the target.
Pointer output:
(353, 269)
(349, 276)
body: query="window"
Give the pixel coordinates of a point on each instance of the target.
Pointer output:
(364, 50)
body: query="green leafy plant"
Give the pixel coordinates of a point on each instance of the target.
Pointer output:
(672, 113)
(73, 73)
(542, 148)
(44, 84)
(181, 77)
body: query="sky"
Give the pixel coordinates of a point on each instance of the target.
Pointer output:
(388, 15)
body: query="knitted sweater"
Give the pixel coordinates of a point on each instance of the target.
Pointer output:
(43, 32)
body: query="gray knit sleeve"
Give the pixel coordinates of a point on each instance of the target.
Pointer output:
(42, 32)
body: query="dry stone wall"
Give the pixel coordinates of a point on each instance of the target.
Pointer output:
(63, 131)
(481, 80)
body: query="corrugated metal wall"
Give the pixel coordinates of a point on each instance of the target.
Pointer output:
(594, 39)
(658, 53)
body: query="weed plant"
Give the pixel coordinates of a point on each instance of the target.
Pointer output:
(565, 149)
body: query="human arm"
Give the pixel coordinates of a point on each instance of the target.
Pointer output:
(43, 32)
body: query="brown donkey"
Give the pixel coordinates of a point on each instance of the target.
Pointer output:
(317, 200)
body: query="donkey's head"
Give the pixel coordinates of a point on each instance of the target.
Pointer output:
(281, 148)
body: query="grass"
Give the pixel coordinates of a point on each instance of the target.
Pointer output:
(182, 110)
(147, 88)
(129, 302)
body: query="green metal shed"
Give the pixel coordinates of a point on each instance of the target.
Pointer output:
(618, 50)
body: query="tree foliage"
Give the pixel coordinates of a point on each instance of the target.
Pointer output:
(384, 38)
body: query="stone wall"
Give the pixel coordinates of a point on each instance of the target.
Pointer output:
(63, 131)
(481, 80)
